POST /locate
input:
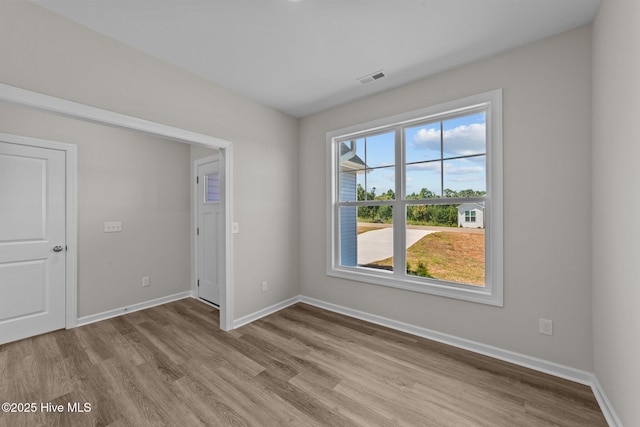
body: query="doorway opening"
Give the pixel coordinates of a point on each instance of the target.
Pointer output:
(30, 99)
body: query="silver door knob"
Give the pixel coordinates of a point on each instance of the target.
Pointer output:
(57, 249)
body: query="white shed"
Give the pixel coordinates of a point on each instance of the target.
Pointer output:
(471, 215)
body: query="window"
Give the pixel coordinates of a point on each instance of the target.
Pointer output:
(469, 216)
(212, 188)
(415, 200)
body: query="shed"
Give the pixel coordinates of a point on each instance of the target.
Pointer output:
(471, 215)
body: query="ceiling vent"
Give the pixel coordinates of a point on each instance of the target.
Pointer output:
(371, 77)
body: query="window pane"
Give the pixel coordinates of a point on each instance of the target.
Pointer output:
(422, 142)
(369, 162)
(465, 177)
(348, 236)
(423, 180)
(375, 237)
(441, 245)
(366, 237)
(352, 155)
(381, 183)
(464, 136)
(380, 150)
(359, 148)
(212, 187)
(347, 186)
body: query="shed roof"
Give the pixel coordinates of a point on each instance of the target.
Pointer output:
(470, 206)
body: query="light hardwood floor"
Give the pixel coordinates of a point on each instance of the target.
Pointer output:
(303, 366)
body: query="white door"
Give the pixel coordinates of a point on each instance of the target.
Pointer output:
(208, 232)
(32, 241)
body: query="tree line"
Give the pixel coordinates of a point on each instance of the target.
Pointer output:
(437, 215)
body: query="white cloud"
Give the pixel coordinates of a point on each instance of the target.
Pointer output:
(464, 170)
(428, 166)
(428, 137)
(460, 141)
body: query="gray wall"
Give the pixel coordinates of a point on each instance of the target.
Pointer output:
(547, 134)
(616, 179)
(45, 53)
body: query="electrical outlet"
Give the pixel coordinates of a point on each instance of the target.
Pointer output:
(546, 327)
(112, 226)
(145, 282)
(264, 286)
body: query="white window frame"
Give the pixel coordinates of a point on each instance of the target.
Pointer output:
(492, 292)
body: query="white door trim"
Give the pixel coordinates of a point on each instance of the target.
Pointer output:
(84, 112)
(71, 214)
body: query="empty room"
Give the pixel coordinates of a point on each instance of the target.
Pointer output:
(323, 213)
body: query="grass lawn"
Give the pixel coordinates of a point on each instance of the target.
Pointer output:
(452, 256)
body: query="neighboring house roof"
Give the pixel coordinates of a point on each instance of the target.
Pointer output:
(352, 163)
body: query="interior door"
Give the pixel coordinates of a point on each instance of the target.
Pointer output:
(208, 232)
(32, 241)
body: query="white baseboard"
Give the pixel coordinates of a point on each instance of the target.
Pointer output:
(566, 372)
(264, 312)
(605, 405)
(85, 320)
(551, 368)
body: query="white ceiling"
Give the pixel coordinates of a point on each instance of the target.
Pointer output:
(305, 56)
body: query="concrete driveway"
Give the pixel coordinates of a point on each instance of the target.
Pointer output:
(377, 245)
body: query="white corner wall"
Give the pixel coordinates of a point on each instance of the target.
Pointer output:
(547, 165)
(46, 53)
(616, 198)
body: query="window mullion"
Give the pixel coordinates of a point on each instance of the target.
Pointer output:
(399, 215)
(441, 160)
(366, 184)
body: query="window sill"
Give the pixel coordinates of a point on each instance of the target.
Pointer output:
(482, 295)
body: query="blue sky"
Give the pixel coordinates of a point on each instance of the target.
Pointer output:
(462, 136)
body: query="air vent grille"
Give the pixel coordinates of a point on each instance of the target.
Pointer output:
(371, 77)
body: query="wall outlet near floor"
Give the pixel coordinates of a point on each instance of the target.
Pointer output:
(145, 282)
(546, 327)
(265, 286)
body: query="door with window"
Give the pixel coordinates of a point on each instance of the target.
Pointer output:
(209, 232)
(32, 240)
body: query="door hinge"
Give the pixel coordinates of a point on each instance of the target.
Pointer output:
(198, 282)
(197, 231)
(197, 180)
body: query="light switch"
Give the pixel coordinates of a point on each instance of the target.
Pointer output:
(112, 226)
(235, 228)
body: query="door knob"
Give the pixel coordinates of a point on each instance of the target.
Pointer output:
(57, 249)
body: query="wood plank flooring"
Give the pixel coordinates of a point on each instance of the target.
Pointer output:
(303, 366)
